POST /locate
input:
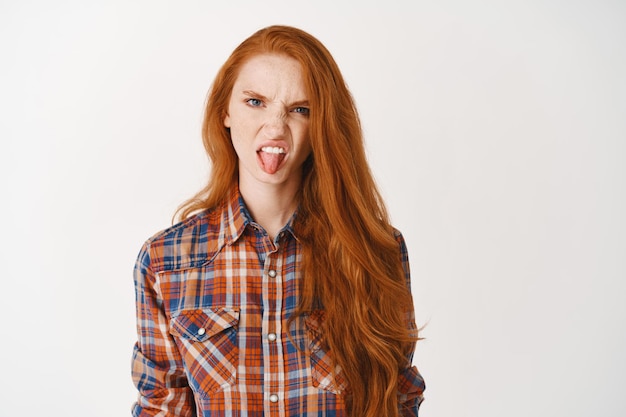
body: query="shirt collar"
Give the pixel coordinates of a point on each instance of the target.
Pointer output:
(235, 218)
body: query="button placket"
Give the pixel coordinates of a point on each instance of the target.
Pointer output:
(273, 360)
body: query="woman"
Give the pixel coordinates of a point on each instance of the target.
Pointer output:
(284, 290)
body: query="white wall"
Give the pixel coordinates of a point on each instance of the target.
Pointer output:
(496, 130)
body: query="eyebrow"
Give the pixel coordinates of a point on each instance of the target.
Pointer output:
(263, 98)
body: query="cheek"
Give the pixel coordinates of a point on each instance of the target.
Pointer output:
(238, 145)
(305, 140)
(241, 127)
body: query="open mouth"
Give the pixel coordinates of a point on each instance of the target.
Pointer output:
(271, 157)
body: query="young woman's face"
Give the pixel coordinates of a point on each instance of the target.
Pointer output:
(268, 117)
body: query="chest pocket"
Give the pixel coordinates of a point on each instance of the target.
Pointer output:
(207, 341)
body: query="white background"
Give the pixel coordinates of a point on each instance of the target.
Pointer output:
(496, 130)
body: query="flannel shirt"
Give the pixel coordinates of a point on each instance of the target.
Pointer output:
(214, 294)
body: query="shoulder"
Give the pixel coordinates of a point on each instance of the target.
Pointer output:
(404, 252)
(185, 244)
(190, 226)
(399, 238)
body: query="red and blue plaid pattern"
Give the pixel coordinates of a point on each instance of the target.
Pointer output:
(214, 296)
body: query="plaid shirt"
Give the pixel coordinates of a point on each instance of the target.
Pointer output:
(214, 295)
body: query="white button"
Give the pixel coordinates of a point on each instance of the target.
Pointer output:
(272, 273)
(271, 337)
(274, 398)
(201, 331)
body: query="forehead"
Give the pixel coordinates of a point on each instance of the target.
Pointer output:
(271, 72)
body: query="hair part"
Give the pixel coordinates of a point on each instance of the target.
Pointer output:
(352, 268)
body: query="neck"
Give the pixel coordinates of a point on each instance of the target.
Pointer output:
(270, 205)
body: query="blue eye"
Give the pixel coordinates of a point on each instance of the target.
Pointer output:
(302, 110)
(254, 102)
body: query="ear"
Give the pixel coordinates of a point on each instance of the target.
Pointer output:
(227, 121)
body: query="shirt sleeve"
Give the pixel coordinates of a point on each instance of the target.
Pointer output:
(411, 384)
(157, 367)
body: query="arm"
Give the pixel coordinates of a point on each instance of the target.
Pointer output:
(157, 367)
(411, 384)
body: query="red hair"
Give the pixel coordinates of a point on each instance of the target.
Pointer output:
(352, 267)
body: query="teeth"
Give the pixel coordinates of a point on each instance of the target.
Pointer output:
(272, 149)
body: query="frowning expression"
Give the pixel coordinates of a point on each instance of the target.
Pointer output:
(268, 117)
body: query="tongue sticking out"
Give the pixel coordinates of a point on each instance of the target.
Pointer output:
(270, 161)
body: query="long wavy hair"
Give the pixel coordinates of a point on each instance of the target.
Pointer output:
(352, 267)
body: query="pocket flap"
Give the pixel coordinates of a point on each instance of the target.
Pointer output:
(199, 325)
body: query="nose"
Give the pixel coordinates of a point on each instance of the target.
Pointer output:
(276, 125)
